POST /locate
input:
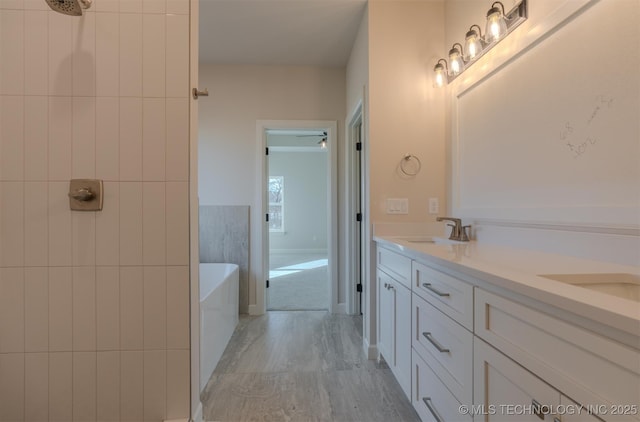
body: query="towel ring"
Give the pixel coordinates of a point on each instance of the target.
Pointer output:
(404, 163)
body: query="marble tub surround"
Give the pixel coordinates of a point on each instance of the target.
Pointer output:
(224, 238)
(302, 366)
(520, 271)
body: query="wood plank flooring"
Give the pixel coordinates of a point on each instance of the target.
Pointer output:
(302, 366)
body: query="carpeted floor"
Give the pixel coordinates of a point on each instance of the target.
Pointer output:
(298, 282)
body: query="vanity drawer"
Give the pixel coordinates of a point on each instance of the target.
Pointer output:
(396, 265)
(591, 369)
(431, 396)
(447, 293)
(446, 346)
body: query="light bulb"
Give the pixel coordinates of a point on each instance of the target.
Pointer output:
(440, 75)
(455, 61)
(472, 45)
(496, 25)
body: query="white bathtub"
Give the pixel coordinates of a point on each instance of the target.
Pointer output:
(219, 290)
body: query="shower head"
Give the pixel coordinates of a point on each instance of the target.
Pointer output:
(69, 7)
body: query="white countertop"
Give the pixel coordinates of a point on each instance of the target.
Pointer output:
(517, 270)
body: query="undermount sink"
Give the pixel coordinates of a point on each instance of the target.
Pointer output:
(626, 286)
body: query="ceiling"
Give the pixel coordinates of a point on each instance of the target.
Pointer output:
(279, 32)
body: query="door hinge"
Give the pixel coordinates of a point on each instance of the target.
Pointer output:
(359, 217)
(266, 217)
(267, 284)
(358, 146)
(359, 287)
(266, 151)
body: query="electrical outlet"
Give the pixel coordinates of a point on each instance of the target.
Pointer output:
(434, 206)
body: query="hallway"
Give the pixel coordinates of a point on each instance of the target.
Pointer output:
(302, 366)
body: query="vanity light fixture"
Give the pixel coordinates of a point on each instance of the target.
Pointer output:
(456, 63)
(441, 73)
(473, 43)
(499, 25)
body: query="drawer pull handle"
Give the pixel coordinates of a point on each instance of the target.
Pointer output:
(538, 409)
(437, 345)
(436, 291)
(432, 409)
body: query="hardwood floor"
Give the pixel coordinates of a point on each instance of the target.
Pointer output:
(302, 366)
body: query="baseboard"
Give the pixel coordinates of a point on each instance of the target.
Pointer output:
(253, 310)
(340, 308)
(370, 351)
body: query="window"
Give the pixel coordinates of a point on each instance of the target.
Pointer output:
(276, 203)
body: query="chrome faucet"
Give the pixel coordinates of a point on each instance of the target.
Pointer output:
(458, 231)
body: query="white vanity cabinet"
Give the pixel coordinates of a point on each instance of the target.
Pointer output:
(394, 315)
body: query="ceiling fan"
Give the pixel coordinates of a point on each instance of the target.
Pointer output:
(322, 142)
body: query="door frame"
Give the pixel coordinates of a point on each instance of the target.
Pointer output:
(331, 127)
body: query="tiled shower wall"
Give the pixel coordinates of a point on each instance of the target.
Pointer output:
(94, 306)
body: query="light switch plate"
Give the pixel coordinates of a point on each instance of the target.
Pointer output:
(397, 206)
(82, 185)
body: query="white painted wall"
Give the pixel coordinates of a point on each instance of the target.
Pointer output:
(240, 96)
(305, 201)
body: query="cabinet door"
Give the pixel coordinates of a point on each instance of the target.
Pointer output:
(505, 391)
(402, 343)
(386, 317)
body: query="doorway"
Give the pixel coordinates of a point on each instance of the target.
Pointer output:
(297, 190)
(298, 180)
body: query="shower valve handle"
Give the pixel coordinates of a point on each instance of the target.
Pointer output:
(82, 194)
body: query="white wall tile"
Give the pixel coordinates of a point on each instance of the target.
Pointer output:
(177, 139)
(178, 307)
(36, 138)
(60, 135)
(131, 223)
(131, 308)
(84, 238)
(60, 309)
(11, 4)
(60, 227)
(36, 54)
(177, 384)
(108, 226)
(154, 6)
(155, 384)
(36, 228)
(153, 223)
(60, 387)
(36, 312)
(177, 56)
(84, 308)
(131, 6)
(108, 308)
(84, 386)
(107, 6)
(12, 224)
(35, 5)
(153, 139)
(12, 387)
(84, 56)
(130, 139)
(178, 7)
(60, 54)
(12, 310)
(177, 223)
(107, 50)
(108, 386)
(131, 386)
(36, 388)
(12, 47)
(130, 54)
(12, 138)
(154, 53)
(155, 308)
(107, 138)
(83, 165)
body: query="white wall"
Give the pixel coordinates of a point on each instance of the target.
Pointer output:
(94, 306)
(240, 96)
(305, 201)
(583, 205)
